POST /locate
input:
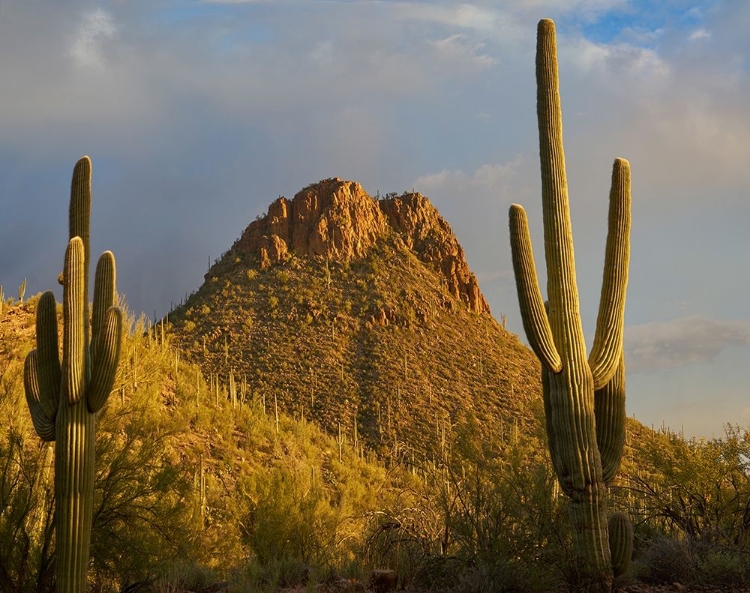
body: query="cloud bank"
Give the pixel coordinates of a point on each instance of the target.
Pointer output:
(681, 342)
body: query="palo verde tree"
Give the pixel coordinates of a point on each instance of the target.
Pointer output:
(65, 398)
(584, 398)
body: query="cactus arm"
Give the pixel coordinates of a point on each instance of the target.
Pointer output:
(74, 338)
(105, 360)
(535, 321)
(104, 294)
(44, 423)
(605, 354)
(106, 334)
(609, 407)
(47, 366)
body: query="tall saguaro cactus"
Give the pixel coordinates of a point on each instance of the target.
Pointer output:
(64, 398)
(584, 396)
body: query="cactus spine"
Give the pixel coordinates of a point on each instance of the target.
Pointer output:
(583, 397)
(64, 398)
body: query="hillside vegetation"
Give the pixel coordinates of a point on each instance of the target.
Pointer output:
(395, 338)
(324, 406)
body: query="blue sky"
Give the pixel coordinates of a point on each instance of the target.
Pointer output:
(198, 114)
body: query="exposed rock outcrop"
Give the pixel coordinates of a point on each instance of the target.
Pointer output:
(428, 234)
(337, 219)
(332, 218)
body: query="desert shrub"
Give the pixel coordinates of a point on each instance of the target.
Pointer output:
(486, 514)
(139, 523)
(693, 506)
(289, 516)
(283, 276)
(724, 568)
(666, 560)
(503, 577)
(26, 480)
(184, 576)
(400, 538)
(287, 573)
(698, 488)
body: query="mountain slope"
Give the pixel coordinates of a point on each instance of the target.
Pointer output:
(357, 311)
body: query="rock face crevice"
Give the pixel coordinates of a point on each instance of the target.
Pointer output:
(337, 219)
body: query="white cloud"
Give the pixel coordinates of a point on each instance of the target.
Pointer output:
(323, 54)
(457, 52)
(494, 181)
(682, 341)
(699, 34)
(508, 20)
(585, 9)
(96, 27)
(466, 16)
(615, 60)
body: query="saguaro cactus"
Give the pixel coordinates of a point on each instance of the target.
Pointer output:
(64, 399)
(584, 398)
(620, 542)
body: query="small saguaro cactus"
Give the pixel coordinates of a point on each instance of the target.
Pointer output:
(620, 542)
(584, 398)
(64, 398)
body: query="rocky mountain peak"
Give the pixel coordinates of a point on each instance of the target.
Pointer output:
(337, 219)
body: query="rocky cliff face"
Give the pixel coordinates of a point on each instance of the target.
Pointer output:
(423, 230)
(333, 218)
(337, 219)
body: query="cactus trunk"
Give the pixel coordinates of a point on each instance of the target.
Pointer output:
(74, 489)
(583, 396)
